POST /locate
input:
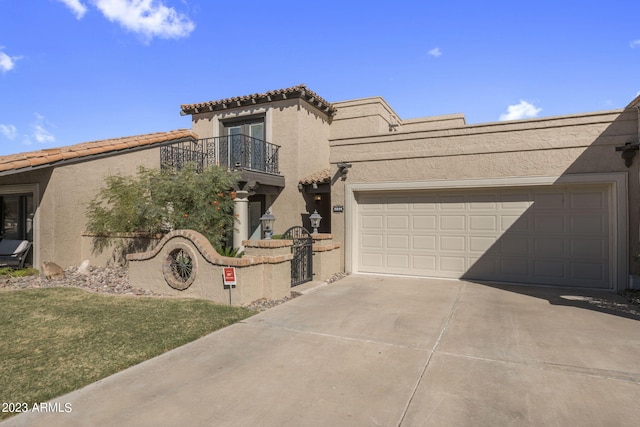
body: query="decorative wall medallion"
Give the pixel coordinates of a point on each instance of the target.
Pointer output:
(179, 268)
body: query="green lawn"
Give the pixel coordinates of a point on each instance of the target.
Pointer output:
(56, 340)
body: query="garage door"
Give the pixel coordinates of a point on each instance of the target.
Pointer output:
(538, 235)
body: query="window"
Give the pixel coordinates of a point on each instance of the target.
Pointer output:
(246, 143)
(16, 217)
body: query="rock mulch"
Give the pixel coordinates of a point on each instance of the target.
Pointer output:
(264, 304)
(632, 296)
(336, 277)
(115, 281)
(108, 280)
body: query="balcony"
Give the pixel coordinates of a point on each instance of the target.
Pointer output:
(234, 152)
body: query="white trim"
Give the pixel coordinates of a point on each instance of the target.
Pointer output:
(268, 125)
(34, 189)
(618, 205)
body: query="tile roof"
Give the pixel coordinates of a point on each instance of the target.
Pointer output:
(14, 163)
(319, 177)
(300, 91)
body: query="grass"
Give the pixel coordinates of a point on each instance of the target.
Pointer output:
(56, 340)
(8, 271)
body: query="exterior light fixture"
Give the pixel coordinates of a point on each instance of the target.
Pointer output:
(317, 197)
(315, 219)
(629, 151)
(267, 221)
(343, 168)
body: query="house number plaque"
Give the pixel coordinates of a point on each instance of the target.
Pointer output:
(338, 208)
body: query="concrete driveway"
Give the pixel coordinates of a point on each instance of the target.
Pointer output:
(371, 350)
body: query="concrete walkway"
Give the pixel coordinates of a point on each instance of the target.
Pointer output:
(370, 350)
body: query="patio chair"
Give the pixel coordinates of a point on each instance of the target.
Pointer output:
(13, 253)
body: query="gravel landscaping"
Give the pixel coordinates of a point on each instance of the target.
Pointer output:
(115, 280)
(108, 280)
(633, 296)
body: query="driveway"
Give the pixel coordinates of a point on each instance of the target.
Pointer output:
(372, 350)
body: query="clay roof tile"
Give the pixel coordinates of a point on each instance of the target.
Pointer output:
(14, 163)
(300, 91)
(319, 177)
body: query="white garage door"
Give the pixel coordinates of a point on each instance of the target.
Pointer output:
(539, 235)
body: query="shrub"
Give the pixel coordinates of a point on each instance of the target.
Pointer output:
(157, 201)
(230, 252)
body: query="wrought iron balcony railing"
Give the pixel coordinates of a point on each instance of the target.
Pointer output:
(232, 152)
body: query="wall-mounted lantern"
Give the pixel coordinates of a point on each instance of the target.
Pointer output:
(628, 152)
(315, 219)
(267, 221)
(343, 168)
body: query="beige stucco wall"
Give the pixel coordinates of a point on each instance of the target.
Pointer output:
(373, 116)
(326, 257)
(64, 193)
(264, 272)
(101, 251)
(70, 189)
(301, 131)
(576, 144)
(365, 116)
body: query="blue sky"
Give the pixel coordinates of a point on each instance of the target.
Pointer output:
(81, 70)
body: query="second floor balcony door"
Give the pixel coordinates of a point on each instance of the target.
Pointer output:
(247, 146)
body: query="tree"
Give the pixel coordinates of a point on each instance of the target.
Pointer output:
(157, 201)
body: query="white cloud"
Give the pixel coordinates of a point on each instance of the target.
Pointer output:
(76, 7)
(523, 110)
(635, 43)
(40, 131)
(9, 131)
(7, 62)
(435, 52)
(150, 18)
(42, 135)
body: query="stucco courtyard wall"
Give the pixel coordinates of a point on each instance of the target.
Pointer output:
(264, 272)
(327, 259)
(113, 251)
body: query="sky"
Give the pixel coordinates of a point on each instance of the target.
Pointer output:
(74, 71)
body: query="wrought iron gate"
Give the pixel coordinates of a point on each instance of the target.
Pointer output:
(302, 249)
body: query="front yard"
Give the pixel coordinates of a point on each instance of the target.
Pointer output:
(56, 340)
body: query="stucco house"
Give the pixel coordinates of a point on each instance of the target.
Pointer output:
(44, 193)
(549, 201)
(295, 125)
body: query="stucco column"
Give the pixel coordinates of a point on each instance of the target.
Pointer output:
(241, 213)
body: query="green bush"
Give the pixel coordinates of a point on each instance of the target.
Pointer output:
(230, 252)
(156, 201)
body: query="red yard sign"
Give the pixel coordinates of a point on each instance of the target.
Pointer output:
(229, 276)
